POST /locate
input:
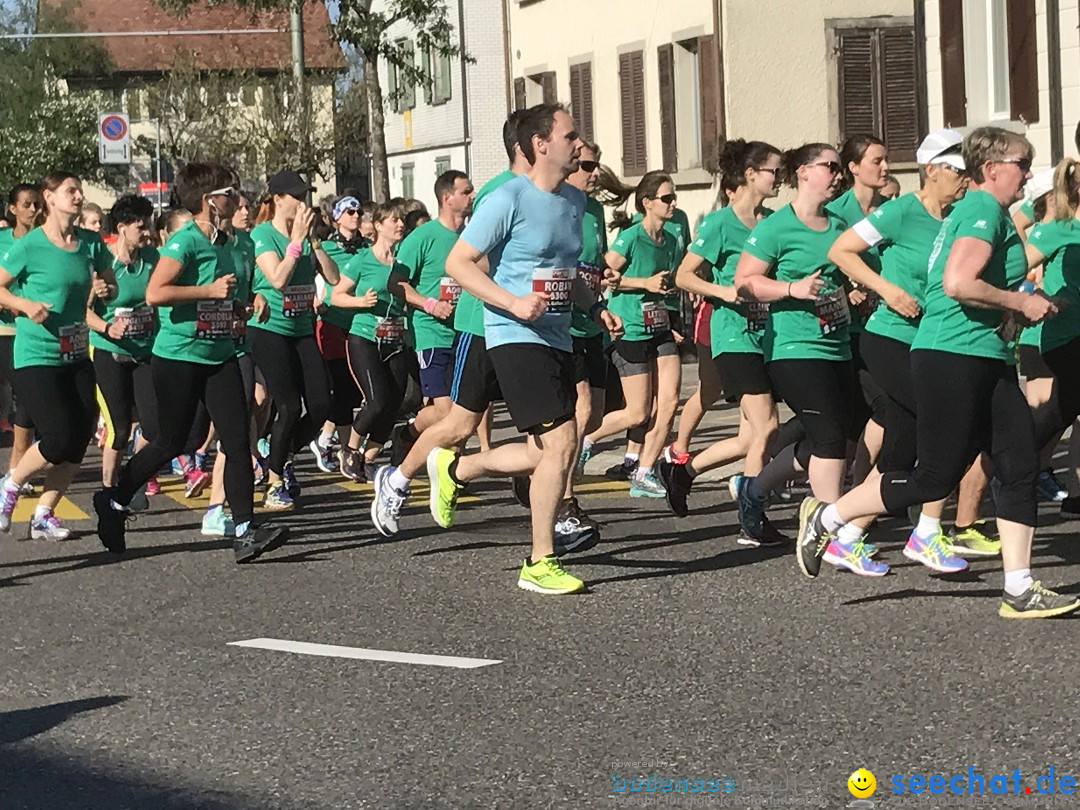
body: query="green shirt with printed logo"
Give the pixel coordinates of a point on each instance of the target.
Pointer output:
(386, 321)
(131, 280)
(292, 309)
(644, 258)
(423, 252)
(590, 265)
(848, 209)
(1059, 243)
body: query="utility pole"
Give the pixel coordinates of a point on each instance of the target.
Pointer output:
(296, 29)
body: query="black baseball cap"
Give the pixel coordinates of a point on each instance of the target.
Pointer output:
(289, 182)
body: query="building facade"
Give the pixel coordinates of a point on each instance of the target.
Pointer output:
(457, 123)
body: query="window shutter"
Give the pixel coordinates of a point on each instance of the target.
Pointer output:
(550, 87)
(953, 81)
(902, 126)
(429, 74)
(519, 93)
(665, 73)
(1023, 61)
(581, 98)
(408, 97)
(445, 85)
(857, 69)
(392, 86)
(632, 107)
(709, 82)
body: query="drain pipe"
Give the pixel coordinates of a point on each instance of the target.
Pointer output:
(1053, 61)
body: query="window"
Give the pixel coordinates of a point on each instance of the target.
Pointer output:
(581, 99)
(437, 67)
(632, 109)
(232, 97)
(407, 180)
(402, 91)
(442, 165)
(877, 81)
(539, 88)
(687, 83)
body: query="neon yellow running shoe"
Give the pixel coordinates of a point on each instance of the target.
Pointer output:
(547, 576)
(974, 541)
(444, 489)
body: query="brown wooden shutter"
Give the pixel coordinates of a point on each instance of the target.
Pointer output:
(632, 108)
(1023, 61)
(665, 73)
(902, 124)
(953, 81)
(857, 70)
(519, 93)
(550, 87)
(581, 99)
(709, 82)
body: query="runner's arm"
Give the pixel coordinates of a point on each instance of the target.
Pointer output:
(688, 277)
(162, 289)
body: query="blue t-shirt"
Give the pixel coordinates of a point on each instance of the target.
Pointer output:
(532, 239)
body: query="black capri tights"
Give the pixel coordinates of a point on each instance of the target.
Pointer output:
(967, 405)
(124, 385)
(382, 374)
(1064, 362)
(889, 362)
(821, 392)
(60, 401)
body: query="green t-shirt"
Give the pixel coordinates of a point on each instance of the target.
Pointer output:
(138, 339)
(62, 278)
(847, 207)
(590, 265)
(797, 329)
(949, 326)
(385, 323)
(291, 309)
(643, 313)
(424, 253)
(469, 312)
(904, 233)
(245, 277)
(7, 317)
(679, 227)
(1059, 243)
(342, 255)
(733, 328)
(1027, 208)
(201, 331)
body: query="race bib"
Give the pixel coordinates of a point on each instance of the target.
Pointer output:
(592, 276)
(558, 284)
(390, 330)
(214, 320)
(140, 322)
(757, 316)
(449, 290)
(297, 300)
(73, 341)
(832, 311)
(654, 316)
(869, 304)
(239, 329)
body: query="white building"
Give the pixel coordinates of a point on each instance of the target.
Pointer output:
(458, 125)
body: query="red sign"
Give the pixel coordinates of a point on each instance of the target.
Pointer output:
(114, 128)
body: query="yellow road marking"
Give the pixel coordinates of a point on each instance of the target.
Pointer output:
(65, 510)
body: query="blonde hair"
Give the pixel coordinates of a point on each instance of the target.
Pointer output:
(989, 144)
(1066, 191)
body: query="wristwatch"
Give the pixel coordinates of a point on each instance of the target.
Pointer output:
(316, 244)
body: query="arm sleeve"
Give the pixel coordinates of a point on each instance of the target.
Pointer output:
(410, 259)
(986, 222)
(14, 261)
(708, 242)
(624, 244)
(883, 225)
(763, 242)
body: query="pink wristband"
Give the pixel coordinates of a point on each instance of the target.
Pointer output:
(430, 304)
(294, 250)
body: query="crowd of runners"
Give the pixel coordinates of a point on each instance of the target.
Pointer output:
(226, 335)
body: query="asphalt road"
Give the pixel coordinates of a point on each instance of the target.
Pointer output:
(690, 657)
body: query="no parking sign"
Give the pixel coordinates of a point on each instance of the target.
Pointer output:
(114, 138)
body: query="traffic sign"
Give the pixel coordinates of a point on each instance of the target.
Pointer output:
(114, 138)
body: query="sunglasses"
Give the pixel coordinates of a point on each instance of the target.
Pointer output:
(352, 212)
(227, 192)
(1023, 164)
(667, 199)
(831, 165)
(589, 166)
(769, 169)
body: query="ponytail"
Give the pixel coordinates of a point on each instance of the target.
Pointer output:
(1066, 189)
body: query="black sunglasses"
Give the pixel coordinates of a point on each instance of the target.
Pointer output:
(350, 211)
(589, 165)
(831, 165)
(667, 199)
(1023, 164)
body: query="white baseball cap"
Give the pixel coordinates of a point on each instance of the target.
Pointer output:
(1040, 184)
(941, 146)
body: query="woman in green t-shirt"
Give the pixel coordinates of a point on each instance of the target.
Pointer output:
(966, 338)
(122, 335)
(378, 355)
(56, 269)
(646, 356)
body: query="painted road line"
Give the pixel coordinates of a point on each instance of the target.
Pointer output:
(65, 510)
(334, 651)
(418, 490)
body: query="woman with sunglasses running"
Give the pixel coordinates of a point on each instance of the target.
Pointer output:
(646, 356)
(966, 337)
(284, 343)
(55, 269)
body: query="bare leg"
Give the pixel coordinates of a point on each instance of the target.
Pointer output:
(483, 430)
(452, 431)
(867, 452)
(637, 391)
(668, 380)
(57, 481)
(972, 488)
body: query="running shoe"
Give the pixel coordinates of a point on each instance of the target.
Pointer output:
(324, 456)
(677, 483)
(258, 470)
(547, 576)
(869, 548)
(1070, 509)
(646, 486)
(216, 523)
(621, 471)
(973, 541)
(8, 499)
(139, 502)
(444, 489)
(48, 527)
(200, 460)
(782, 494)
(26, 489)
(195, 482)
(254, 541)
(854, 559)
(387, 503)
(572, 508)
(812, 539)
(402, 439)
(152, 486)
(112, 520)
(277, 497)
(262, 447)
(751, 509)
(178, 466)
(1049, 488)
(934, 554)
(583, 459)
(352, 466)
(771, 537)
(288, 475)
(519, 485)
(136, 432)
(1036, 602)
(574, 529)
(673, 456)
(733, 486)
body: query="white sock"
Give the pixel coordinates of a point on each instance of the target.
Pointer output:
(586, 444)
(398, 481)
(831, 519)
(1018, 581)
(10, 485)
(849, 534)
(643, 471)
(42, 512)
(928, 526)
(325, 437)
(630, 458)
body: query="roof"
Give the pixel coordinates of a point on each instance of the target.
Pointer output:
(211, 51)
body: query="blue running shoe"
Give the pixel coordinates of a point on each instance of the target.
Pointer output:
(854, 559)
(751, 509)
(934, 554)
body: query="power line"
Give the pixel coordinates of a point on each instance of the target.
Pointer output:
(169, 33)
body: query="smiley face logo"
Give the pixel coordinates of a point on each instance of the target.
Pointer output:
(862, 784)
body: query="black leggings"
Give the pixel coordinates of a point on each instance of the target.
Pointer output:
(870, 401)
(346, 396)
(180, 386)
(293, 369)
(60, 401)
(123, 386)
(821, 392)
(966, 405)
(890, 364)
(382, 374)
(1064, 362)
